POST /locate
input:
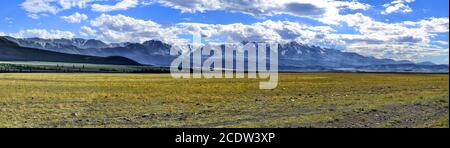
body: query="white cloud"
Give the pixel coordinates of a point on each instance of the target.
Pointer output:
(8, 20)
(87, 31)
(402, 41)
(268, 31)
(322, 10)
(401, 51)
(34, 16)
(147, 2)
(420, 31)
(42, 33)
(441, 42)
(434, 25)
(38, 8)
(327, 11)
(397, 6)
(120, 28)
(75, 18)
(352, 5)
(123, 23)
(122, 5)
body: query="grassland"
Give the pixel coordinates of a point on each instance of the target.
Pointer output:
(157, 100)
(58, 67)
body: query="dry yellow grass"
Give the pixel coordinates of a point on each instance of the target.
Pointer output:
(157, 100)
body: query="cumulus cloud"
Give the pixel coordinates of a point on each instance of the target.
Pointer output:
(403, 51)
(42, 33)
(267, 31)
(397, 6)
(323, 10)
(39, 8)
(403, 41)
(120, 28)
(368, 27)
(75, 18)
(87, 31)
(326, 11)
(400, 41)
(122, 5)
(434, 25)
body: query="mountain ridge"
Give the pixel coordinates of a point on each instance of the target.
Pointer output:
(292, 56)
(11, 51)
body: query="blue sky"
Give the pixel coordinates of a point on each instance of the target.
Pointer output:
(414, 30)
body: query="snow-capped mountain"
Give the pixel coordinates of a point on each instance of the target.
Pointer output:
(11, 51)
(292, 56)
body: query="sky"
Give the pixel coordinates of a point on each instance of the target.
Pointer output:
(415, 30)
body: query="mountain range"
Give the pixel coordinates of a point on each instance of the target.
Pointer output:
(11, 51)
(292, 56)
